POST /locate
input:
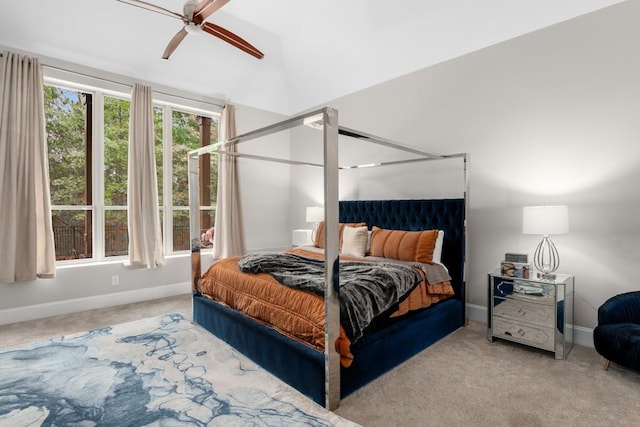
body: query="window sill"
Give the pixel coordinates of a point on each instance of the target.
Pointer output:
(120, 260)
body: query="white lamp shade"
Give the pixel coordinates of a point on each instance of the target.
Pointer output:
(545, 220)
(315, 214)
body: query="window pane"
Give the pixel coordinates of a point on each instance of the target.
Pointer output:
(116, 146)
(190, 132)
(185, 137)
(207, 232)
(116, 233)
(180, 230)
(72, 234)
(66, 129)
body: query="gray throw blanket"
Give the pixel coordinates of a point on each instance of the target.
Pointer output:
(366, 289)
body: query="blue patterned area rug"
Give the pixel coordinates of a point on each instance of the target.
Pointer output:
(161, 371)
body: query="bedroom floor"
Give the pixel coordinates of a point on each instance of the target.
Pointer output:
(462, 380)
(37, 330)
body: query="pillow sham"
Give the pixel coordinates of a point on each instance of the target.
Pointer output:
(318, 242)
(437, 251)
(404, 245)
(354, 241)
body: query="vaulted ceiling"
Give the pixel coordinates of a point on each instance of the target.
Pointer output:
(315, 51)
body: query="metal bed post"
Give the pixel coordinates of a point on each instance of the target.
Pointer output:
(467, 203)
(194, 223)
(332, 270)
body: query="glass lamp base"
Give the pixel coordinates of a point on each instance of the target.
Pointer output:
(546, 276)
(546, 259)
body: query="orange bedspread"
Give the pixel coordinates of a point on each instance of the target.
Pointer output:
(295, 313)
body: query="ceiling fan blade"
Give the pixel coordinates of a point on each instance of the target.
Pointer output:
(154, 8)
(206, 8)
(229, 37)
(173, 44)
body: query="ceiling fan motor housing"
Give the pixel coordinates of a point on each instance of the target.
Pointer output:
(189, 7)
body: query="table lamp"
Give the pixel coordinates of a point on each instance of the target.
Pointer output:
(545, 220)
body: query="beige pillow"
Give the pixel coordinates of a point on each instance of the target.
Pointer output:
(354, 241)
(319, 239)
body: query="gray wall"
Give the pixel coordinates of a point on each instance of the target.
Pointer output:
(552, 117)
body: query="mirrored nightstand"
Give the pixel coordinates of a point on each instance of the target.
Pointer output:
(534, 312)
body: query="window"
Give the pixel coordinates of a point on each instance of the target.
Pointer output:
(89, 209)
(69, 130)
(189, 132)
(116, 152)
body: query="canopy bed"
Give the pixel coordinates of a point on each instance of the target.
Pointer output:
(432, 232)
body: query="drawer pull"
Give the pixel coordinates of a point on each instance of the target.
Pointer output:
(522, 312)
(521, 332)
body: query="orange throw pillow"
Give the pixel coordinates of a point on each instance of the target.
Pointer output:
(404, 245)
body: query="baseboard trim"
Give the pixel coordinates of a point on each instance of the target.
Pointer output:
(40, 311)
(581, 335)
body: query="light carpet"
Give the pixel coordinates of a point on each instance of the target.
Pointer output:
(160, 371)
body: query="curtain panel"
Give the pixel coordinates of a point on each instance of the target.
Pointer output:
(27, 248)
(229, 230)
(145, 236)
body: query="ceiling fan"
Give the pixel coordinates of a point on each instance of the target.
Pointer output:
(193, 16)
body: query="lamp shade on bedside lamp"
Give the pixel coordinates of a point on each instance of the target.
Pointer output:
(315, 214)
(545, 221)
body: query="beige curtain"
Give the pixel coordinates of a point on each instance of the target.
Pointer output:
(229, 232)
(27, 248)
(145, 237)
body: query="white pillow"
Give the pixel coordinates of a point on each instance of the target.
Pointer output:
(354, 241)
(437, 250)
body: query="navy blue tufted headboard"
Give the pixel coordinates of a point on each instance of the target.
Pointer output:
(414, 215)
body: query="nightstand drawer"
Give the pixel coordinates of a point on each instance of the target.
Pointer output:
(525, 334)
(525, 312)
(535, 292)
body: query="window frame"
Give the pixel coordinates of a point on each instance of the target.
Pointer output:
(100, 88)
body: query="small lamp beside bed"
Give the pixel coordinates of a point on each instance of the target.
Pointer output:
(545, 221)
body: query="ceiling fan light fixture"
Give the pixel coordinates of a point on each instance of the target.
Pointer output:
(192, 28)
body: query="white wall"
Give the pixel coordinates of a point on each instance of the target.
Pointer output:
(264, 186)
(551, 117)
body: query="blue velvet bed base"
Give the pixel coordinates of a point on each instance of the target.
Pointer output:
(303, 367)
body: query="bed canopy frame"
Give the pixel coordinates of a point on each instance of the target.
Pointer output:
(325, 120)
